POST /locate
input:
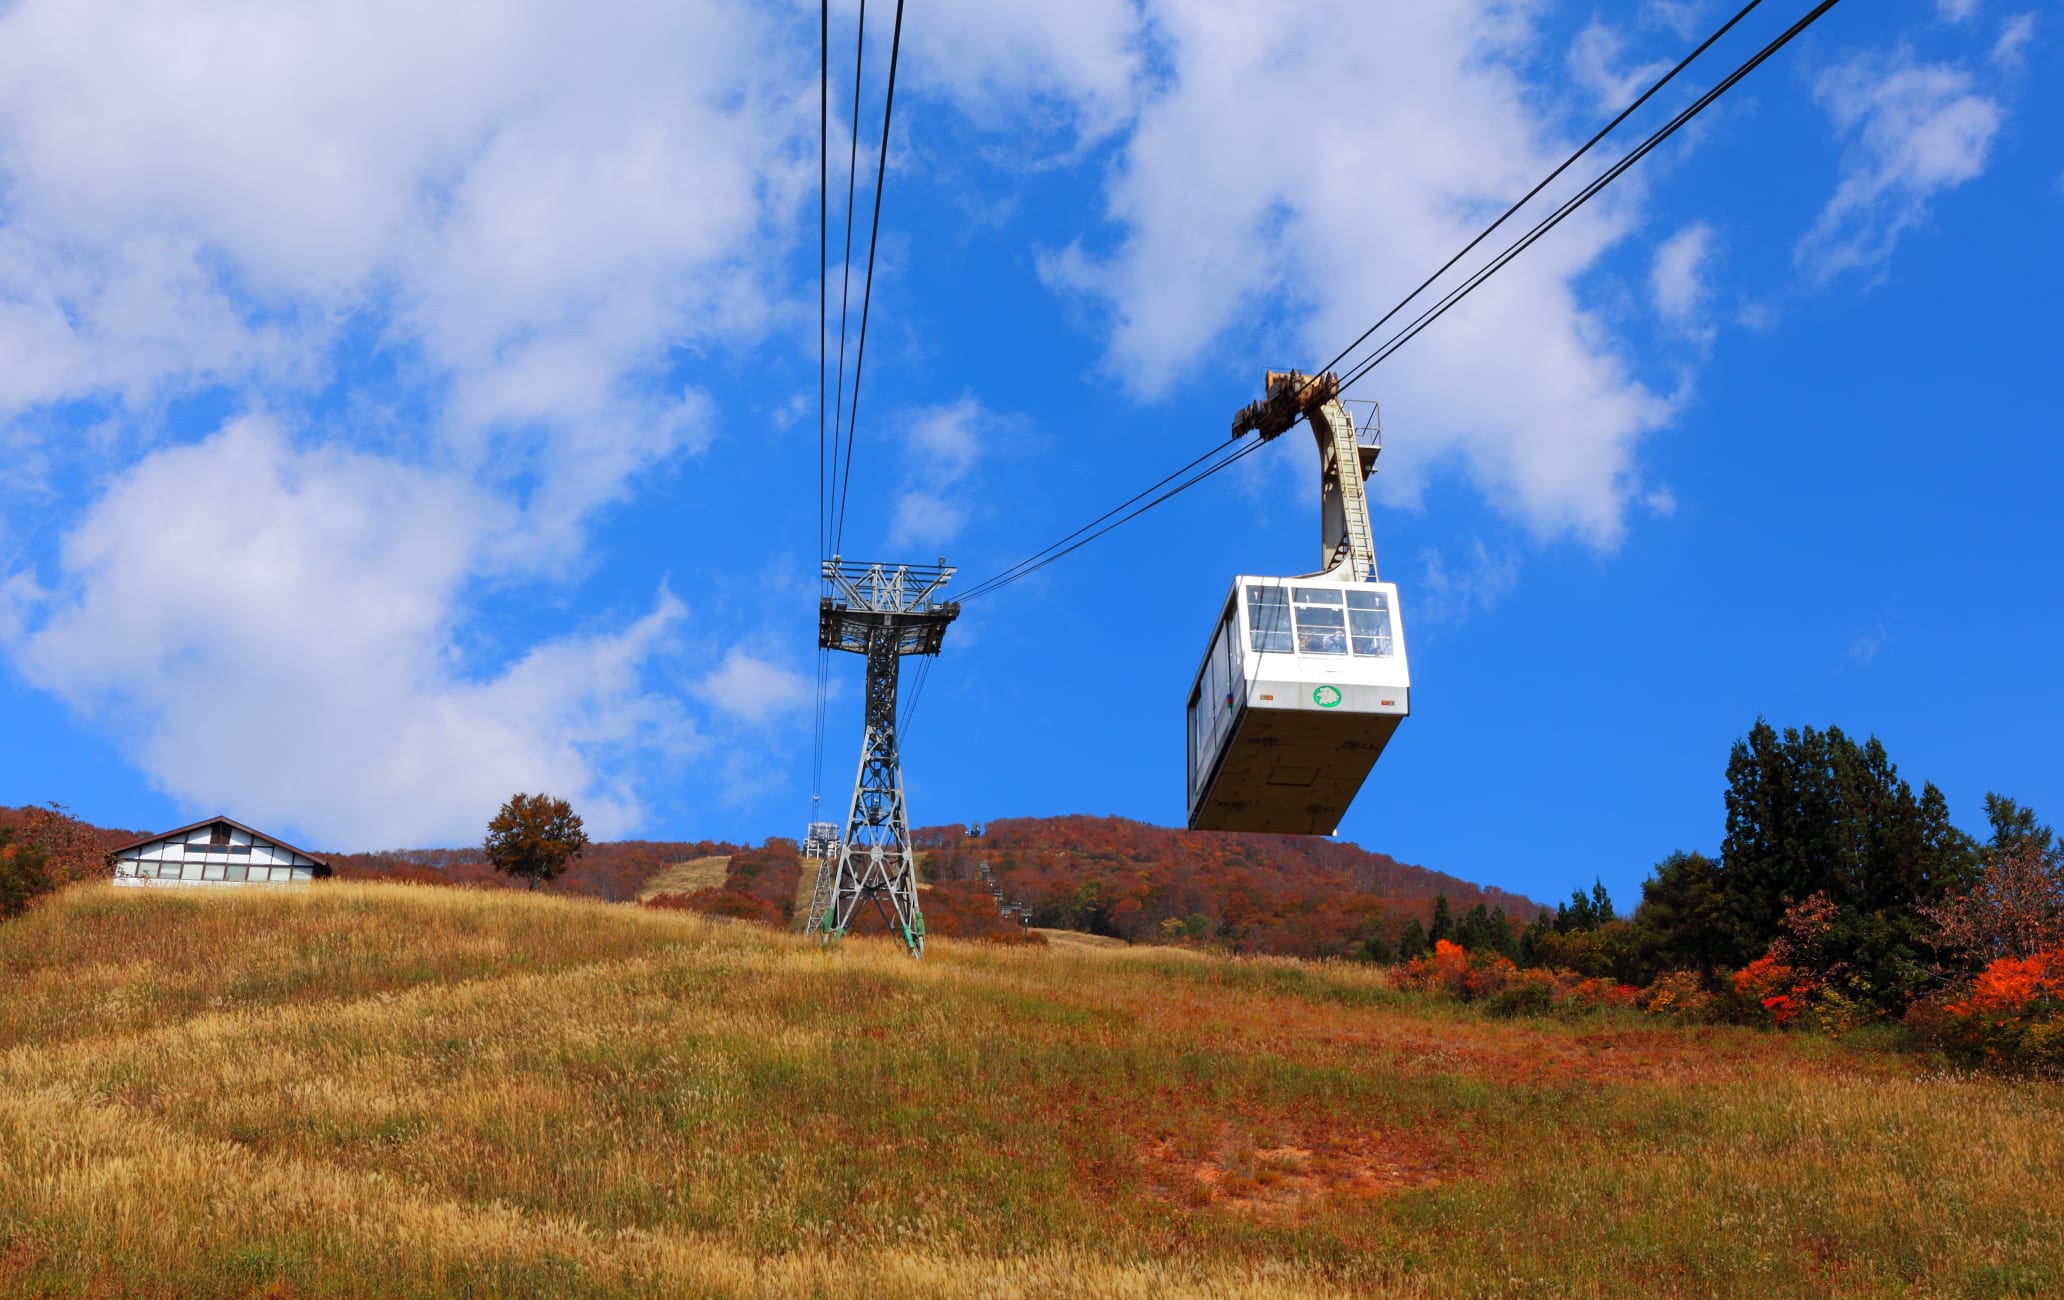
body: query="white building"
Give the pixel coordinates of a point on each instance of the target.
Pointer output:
(217, 851)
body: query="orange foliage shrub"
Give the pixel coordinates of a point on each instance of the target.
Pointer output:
(1444, 970)
(2015, 986)
(1681, 995)
(1503, 987)
(1781, 992)
(1603, 993)
(2012, 1013)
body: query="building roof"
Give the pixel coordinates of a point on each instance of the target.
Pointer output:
(231, 822)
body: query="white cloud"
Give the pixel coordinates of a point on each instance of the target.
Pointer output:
(19, 596)
(526, 205)
(2015, 33)
(1265, 183)
(1660, 502)
(520, 215)
(270, 631)
(1677, 279)
(1445, 594)
(1070, 63)
(925, 519)
(941, 450)
(1914, 130)
(1955, 11)
(1596, 61)
(1681, 18)
(1864, 650)
(754, 688)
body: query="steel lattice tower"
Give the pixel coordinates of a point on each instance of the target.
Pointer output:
(885, 613)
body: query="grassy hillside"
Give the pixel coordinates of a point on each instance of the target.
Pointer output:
(686, 877)
(363, 1089)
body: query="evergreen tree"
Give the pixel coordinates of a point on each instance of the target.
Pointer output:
(1474, 933)
(1443, 926)
(1530, 943)
(1503, 941)
(1815, 812)
(1375, 948)
(1584, 911)
(1682, 913)
(2013, 825)
(1601, 905)
(1412, 941)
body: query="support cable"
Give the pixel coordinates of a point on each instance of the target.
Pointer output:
(1009, 573)
(823, 249)
(823, 329)
(823, 694)
(1576, 201)
(881, 173)
(1025, 571)
(1544, 183)
(838, 401)
(924, 672)
(1076, 540)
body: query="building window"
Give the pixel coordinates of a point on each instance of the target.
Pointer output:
(218, 834)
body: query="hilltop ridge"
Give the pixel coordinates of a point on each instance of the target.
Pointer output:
(1293, 895)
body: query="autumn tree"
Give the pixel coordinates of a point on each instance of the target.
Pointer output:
(23, 873)
(44, 849)
(533, 837)
(2015, 908)
(71, 850)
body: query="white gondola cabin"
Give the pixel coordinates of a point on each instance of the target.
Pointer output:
(1299, 692)
(1304, 680)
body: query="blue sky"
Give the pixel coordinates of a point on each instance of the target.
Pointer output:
(401, 411)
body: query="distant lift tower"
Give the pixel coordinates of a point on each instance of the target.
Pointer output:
(884, 612)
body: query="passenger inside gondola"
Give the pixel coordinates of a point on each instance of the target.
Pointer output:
(1321, 626)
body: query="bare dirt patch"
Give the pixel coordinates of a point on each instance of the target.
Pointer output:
(1243, 1169)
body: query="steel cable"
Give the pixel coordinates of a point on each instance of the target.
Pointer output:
(1578, 200)
(1545, 181)
(881, 173)
(838, 401)
(1041, 558)
(1006, 579)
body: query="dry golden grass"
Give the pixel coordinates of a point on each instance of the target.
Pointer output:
(686, 877)
(1077, 939)
(378, 1090)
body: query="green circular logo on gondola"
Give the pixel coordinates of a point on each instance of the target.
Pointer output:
(1326, 697)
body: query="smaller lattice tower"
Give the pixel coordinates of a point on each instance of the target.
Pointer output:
(885, 612)
(821, 840)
